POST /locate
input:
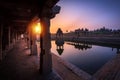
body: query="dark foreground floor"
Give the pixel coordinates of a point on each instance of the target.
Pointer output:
(19, 65)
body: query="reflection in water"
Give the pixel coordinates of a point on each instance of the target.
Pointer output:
(59, 46)
(90, 59)
(59, 41)
(118, 50)
(80, 46)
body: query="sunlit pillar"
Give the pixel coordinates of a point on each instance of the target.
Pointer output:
(32, 42)
(34, 46)
(1, 30)
(27, 40)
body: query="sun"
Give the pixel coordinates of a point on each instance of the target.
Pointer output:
(38, 28)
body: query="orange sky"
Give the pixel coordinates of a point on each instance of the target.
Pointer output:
(76, 14)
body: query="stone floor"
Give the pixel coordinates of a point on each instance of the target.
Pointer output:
(110, 71)
(19, 65)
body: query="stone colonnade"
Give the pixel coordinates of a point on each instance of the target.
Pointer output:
(45, 40)
(8, 37)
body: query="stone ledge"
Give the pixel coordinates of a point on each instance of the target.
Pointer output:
(53, 76)
(74, 69)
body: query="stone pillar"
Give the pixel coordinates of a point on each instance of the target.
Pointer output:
(16, 36)
(33, 45)
(5, 38)
(1, 30)
(9, 36)
(45, 56)
(28, 40)
(45, 39)
(13, 37)
(31, 42)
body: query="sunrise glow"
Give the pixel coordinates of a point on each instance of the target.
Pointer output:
(38, 28)
(91, 14)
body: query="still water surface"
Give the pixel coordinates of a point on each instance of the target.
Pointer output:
(89, 58)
